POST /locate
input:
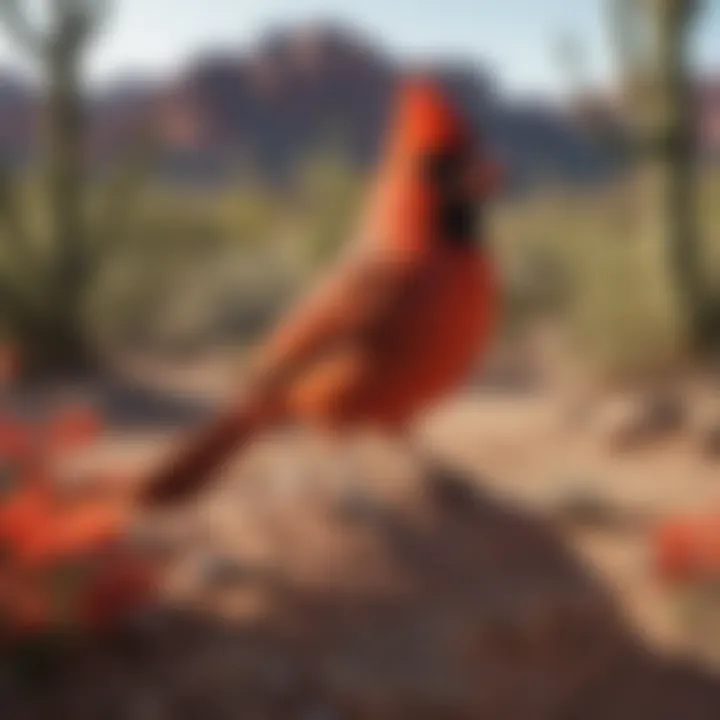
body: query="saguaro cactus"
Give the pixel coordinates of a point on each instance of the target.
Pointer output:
(59, 48)
(652, 40)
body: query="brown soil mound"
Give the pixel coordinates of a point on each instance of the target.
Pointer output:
(416, 597)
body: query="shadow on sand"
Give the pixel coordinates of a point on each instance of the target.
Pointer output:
(421, 600)
(126, 404)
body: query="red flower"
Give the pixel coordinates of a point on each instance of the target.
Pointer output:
(73, 428)
(16, 440)
(62, 555)
(688, 549)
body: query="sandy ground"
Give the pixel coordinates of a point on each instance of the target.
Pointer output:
(528, 454)
(518, 446)
(312, 584)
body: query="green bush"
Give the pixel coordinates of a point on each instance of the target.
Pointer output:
(591, 260)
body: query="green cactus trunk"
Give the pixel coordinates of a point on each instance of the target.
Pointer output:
(675, 157)
(53, 265)
(50, 293)
(65, 181)
(65, 151)
(652, 39)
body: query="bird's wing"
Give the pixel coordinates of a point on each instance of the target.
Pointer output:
(361, 300)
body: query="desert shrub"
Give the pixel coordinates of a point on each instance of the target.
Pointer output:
(201, 267)
(327, 197)
(591, 261)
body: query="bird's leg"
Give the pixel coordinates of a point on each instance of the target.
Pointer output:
(294, 471)
(426, 465)
(341, 460)
(354, 470)
(313, 460)
(345, 465)
(288, 469)
(416, 452)
(360, 474)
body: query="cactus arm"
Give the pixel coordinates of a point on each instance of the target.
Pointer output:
(17, 240)
(20, 28)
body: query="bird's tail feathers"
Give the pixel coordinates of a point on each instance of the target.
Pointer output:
(191, 467)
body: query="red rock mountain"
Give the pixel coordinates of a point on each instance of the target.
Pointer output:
(301, 91)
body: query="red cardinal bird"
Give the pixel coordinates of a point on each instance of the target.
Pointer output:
(400, 320)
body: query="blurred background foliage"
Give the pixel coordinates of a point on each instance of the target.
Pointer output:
(632, 268)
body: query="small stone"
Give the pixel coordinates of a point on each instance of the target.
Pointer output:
(218, 571)
(645, 420)
(357, 505)
(319, 712)
(580, 504)
(586, 509)
(711, 442)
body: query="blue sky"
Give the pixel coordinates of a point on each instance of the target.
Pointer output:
(513, 37)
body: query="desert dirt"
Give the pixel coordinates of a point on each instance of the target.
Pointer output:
(447, 579)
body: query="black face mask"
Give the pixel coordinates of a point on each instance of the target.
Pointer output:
(459, 214)
(459, 221)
